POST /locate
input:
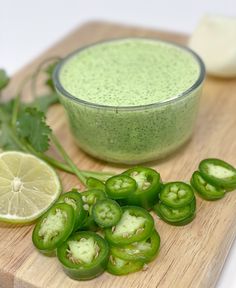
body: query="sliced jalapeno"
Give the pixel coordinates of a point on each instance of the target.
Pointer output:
(89, 198)
(144, 251)
(120, 186)
(106, 213)
(218, 173)
(176, 216)
(93, 183)
(118, 266)
(136, 224)
(176, 194)
(84, 255)
(205, 189)
(54, 227)
(149, 185)
(74, 199)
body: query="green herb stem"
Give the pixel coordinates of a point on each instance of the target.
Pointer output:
(68, 160)
(37, 73)
(15, 111)
(16, 104)
(102, 176)
(3, 115)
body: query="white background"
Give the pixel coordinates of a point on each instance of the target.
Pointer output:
(28, 27)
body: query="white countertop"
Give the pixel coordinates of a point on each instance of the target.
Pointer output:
(29, 27)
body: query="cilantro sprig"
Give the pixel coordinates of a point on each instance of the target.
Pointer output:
(23, 126)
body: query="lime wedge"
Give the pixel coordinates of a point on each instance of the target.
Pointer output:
(28, 187)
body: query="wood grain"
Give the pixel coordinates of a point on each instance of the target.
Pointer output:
(190, 256)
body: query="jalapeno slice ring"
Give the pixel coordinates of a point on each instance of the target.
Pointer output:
(89, 198)
(84, 255)
(144, 251)
(136, 224)
(205, 189)
(120, 186)
(176, 216)
(106, 213)
(118, 266)
(74, 199)
(218, 173)
(149, 186)
(176, 194)
(54, 227)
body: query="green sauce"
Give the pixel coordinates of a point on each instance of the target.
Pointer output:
(128, 73)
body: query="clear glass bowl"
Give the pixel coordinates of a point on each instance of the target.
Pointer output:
(132, 134)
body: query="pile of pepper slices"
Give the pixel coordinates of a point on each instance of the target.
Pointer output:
(108, 227)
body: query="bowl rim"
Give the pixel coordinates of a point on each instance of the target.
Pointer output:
(59, 87)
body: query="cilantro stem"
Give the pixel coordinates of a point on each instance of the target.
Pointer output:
(103, 176)
(3, 115)
(68, 160)
(15, 111)
(16, 104)
(37, 73)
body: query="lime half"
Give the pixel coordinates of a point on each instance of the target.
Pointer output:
(28, 187)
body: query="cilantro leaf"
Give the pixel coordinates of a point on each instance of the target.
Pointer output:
(32, 128)
(4, 79)
(6, 142)
(42, 103)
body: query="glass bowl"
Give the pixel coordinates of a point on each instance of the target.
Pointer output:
(132, 134)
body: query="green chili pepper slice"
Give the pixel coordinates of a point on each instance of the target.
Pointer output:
(176, 216)
(84, 255)
(144, 251)
(93, 183)
(74, 199)
(136, 224)
(118, 266)
(120, 186)
(106, 213)
(149, 186)
(205, 189)
(89, 198)
(54, 227)
(218, 173)
(176, 194)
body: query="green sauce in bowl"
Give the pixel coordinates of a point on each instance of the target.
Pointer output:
(130, 100)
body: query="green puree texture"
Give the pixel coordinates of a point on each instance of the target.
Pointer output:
(129, 72)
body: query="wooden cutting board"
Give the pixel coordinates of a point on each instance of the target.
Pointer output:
(190, 256)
